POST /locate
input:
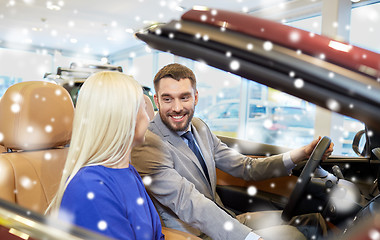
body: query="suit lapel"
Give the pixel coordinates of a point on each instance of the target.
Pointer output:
(172, 137)
(159, 128)
(206, 152)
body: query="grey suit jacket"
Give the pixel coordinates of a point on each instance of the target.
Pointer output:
(183, 197)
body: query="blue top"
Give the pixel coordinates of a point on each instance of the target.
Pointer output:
(111, 201)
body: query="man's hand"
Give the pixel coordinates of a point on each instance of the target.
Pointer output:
(304, 152)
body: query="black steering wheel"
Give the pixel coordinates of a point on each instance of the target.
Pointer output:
(303, 180)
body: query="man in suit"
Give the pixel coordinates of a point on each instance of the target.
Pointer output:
(182, 168)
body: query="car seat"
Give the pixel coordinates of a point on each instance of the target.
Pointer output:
(35, 125)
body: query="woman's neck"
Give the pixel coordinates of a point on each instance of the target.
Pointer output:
(123, 163)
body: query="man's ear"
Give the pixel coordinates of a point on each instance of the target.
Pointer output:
(156, 101)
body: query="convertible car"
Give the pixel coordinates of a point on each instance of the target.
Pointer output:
(345, 80)
(332, 74)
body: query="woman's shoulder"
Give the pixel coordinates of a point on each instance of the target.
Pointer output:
(90, 176)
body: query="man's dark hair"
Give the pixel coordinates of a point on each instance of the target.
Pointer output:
(177, 72)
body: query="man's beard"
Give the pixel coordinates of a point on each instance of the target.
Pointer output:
(166, 121)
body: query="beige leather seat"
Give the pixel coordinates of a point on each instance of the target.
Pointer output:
(35, 123)
(2, 149)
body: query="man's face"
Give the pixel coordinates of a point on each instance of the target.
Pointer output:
(176, 101)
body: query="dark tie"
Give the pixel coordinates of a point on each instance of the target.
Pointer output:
(190, 138)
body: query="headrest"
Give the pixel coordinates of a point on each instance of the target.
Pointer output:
(35, 115)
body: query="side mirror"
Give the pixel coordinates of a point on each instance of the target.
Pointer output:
(360, 144)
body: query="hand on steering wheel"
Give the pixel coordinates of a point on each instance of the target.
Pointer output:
(303, 180)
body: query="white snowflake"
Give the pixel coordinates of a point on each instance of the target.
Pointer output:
(15, 108)
(90, 195)
(26, 182)
(16, 97)
(298, 83)
(333, 105)
(178, 26)
(294, 36)
(268, 46)
(234, 65)
(102, 225)
(268, 123)
(140, 201)
(374, 234)
(252, 190)
(158, 31)
(48, 128)
(147, 180)
(47, 156)
(228, 226)
(250, 46)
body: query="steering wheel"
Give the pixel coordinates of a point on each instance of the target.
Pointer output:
(303, 180)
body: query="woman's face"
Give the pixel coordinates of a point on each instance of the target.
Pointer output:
(141, 124)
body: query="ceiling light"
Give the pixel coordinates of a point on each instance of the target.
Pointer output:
(28, 1)
(37, 29)
(355, 1)
(11, 3)
(200, 8)
(51, 6)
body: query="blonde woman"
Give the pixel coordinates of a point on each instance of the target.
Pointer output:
(99, 189)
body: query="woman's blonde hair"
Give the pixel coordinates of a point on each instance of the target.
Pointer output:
(103, 127)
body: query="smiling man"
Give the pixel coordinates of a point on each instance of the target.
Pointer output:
(181, 154)
(176, 101)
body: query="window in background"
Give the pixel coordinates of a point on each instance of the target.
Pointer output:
(364, 30)
(237, 107)
(142, 69)
(163, 60)
(6, 82)
(219, 99)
